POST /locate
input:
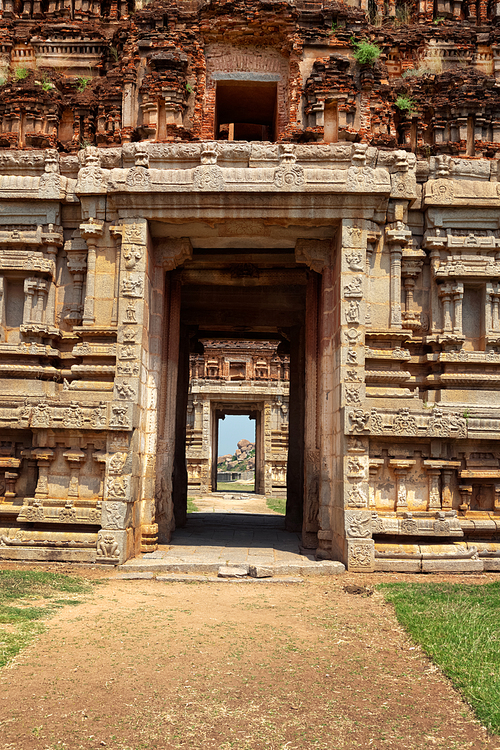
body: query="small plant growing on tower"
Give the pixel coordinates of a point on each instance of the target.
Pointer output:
(405, 104)
(189, 88)
(21, 73)
(81, 84)
(45, 84)
(365, 53)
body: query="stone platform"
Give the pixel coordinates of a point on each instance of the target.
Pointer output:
(255, 544)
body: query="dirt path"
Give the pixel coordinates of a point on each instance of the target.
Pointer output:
(235, 502)
(144, 664)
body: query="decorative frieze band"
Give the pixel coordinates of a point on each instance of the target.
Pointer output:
(73, 415)
(403, 423)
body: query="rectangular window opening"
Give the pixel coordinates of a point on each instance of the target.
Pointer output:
(246, 110)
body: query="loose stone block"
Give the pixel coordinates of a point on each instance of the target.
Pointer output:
(232, 571)
(260, 571)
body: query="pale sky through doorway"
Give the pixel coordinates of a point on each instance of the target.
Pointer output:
(233, 428)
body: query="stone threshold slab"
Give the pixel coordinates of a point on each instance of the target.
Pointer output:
(162, 567)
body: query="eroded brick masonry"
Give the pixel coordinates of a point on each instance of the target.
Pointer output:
(321, 176)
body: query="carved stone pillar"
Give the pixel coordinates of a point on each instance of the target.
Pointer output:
(311, 447)
(51, 249)
(374, 465)
(492, 308)
(447, 495)
(495, 321)
(411, 267)
(74, 457)
(39, 305)
(30, 285)
(496, 488)
(397, 237)
(43, 458)
(206, 424)
(91, 231)
(100, 457)
(434, 474)
(466, 497)
(445, 294)
(458, 295)
(401, 468)
(77, 263)
(11, 465)
(2, 303)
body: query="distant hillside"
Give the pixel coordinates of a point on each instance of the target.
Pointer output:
(243, 459)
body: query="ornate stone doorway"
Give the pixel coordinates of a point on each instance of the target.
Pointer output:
(234, 300)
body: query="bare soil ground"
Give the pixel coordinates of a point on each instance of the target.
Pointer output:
(145, 664)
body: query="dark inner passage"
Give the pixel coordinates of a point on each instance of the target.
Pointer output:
(244, 294)
(246, 110)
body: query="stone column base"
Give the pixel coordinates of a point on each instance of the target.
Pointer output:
(149, 537)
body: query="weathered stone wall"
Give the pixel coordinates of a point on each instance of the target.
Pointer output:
(402, 303)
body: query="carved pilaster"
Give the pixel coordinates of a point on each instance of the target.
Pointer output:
(43, 457)
(401, 468)
(74, 457)
(91, 231)
(434, 473)
(466, 497)
(76, 253)
(397, 237)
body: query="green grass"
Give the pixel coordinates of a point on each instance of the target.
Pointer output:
(234, 487)
(278, 504)
(26, 597)
(191, 507)
(458, 626)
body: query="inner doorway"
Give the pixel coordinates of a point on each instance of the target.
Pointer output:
(251, 297)
(236, 453)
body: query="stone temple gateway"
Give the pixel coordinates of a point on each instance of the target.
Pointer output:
(205, 183)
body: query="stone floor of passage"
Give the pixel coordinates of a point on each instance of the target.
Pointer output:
(227, 535)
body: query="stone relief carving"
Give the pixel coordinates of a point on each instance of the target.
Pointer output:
(358, 524)
(107, 545)
(352, 395)
(354, 258)
(404, 423)
(132, 254)
(125, 390)
(288, 174)
(357, 498)
(132, 286)
(359, 420)
(354, 288)
(116, 487)
(119, 417)
(360, 555)
(352, 312)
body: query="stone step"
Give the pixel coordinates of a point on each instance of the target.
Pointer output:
(149, 568)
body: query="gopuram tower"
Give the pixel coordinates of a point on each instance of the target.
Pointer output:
(317, 174)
